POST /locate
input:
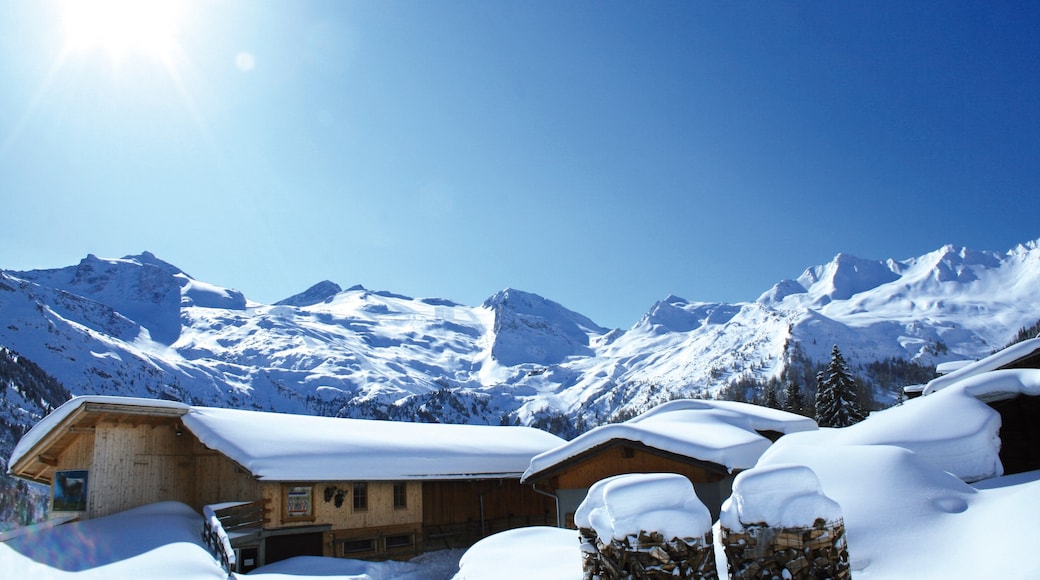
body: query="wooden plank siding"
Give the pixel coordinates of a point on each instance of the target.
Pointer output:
(458, 513)
(380, 510)
(618, 458)
(133, 464)
(138, 464)
(219, 479)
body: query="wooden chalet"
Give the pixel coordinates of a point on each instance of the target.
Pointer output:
(709, 442)
(288, 485)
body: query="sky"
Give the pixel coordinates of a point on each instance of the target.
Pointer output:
(601, 154)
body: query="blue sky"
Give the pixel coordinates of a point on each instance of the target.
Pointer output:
(601, 154)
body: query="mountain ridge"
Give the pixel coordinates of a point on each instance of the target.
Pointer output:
(140, 326)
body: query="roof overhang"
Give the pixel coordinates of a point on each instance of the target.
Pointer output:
(561, 466)
(37, 463)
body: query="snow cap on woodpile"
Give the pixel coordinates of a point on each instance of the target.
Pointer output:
(625, 505)
(779, 496)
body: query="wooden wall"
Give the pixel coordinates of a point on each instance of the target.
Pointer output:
(380, 512)
(134, 465)
(1019, 433)
(130, 465)
(453, 502)
(218, 479)
(621, 459)
(452, 515)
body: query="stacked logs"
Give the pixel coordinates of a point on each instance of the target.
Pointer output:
(760, 551)
(647, 556)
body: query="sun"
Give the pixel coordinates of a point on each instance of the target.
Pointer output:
(122, 26)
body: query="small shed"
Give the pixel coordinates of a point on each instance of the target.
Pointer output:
(291, 484)
(706, 441)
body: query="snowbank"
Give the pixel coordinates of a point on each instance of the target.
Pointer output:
(440, 565)
(779, 496)
(522, 554)
(624, 505)
(155, 541)
(951, 429)
(904, 518)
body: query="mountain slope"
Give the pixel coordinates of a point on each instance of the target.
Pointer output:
(140, 326)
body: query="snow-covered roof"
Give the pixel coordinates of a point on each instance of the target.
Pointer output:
(993, 362)
(952, 429)
(284, 447)
(722, 432)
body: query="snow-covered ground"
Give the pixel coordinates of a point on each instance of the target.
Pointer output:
(904, 519)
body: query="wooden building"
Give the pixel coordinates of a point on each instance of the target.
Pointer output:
(289, 485)
(1017, 403)
(709, 442)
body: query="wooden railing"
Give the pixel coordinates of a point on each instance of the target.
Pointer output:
(227, 525)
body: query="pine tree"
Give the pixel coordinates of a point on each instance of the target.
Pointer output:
(837, 404)
(771, 399)
(794, 401)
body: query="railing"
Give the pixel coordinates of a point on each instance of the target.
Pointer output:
(227, 524)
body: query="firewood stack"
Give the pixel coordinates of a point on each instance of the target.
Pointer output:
(761, 551)
(647, 556)
(778, 523)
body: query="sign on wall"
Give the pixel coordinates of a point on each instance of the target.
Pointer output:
(298, 502)
(69, 492)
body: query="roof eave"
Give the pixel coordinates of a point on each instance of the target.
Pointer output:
(562, 465)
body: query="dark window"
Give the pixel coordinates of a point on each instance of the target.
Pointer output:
(358, 546)
(402, 541)
(360, 496)
(400, 495)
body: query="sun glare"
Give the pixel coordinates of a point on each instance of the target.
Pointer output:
(122, 26)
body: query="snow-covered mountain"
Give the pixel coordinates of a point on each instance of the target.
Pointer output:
(142, 327)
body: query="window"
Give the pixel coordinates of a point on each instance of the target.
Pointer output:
(360, 496)
(400, 541)
(299, 501)
(358, 546)
(400, 496)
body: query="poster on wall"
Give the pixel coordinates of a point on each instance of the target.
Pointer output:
(298, 502)
(70, 491)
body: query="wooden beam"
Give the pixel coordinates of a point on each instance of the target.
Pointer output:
(47, 460)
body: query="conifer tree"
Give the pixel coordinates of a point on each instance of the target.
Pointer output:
(771, 399)
(836, 401)
(794, 401)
